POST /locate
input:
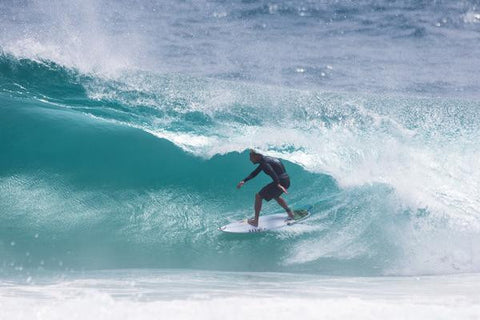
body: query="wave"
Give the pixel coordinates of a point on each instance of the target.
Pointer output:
(140, 170)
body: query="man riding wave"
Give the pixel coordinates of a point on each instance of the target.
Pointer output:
(281, 181)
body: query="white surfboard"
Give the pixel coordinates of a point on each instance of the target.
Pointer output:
(266, 223)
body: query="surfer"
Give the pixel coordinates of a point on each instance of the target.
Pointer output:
(281, 181)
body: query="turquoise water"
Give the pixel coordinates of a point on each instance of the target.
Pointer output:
(125, 127)
(108, 183)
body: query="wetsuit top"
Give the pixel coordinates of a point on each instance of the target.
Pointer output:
(271, 166)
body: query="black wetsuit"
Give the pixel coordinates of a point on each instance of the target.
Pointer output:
(275, 169)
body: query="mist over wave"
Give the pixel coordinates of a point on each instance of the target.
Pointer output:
(125, 127)
(139, 171)
(375, 46)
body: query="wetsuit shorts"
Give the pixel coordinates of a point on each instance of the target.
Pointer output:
(272, 191)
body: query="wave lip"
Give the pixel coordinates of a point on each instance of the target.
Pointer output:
(130, 173)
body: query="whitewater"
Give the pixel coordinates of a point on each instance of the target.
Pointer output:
(125, 127)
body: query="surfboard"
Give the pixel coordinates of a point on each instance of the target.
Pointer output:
(266, 223)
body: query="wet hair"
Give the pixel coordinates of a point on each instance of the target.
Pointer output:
(254, 153)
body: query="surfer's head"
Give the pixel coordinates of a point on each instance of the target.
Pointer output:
(255, 157)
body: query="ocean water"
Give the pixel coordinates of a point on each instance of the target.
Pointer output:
(125, 127)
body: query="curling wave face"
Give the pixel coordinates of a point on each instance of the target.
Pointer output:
(138, 170)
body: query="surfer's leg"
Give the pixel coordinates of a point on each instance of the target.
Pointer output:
(284, 205)
(258, 207)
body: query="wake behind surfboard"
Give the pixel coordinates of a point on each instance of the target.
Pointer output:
(266, 223)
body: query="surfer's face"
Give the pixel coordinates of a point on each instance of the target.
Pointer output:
(254, 158)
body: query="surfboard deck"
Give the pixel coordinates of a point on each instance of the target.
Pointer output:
(266, 223)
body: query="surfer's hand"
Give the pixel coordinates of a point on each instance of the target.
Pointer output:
(240, 184)
(282, 188)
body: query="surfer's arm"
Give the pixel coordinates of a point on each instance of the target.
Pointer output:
(253, 174)
(250, 176)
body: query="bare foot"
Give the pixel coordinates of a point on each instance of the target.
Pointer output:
(290, 215)
(253, 222)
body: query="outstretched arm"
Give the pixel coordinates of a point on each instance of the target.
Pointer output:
(253, 174)
(250, 176)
